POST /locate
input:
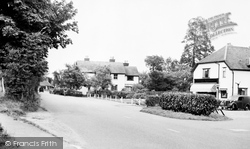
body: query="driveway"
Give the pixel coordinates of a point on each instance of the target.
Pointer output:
(110, 125)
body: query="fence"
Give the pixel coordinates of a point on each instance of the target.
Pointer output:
(140, 102)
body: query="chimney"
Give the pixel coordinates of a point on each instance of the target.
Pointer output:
(86, 58)
(125, 63)
(112, 59)
(229, 44)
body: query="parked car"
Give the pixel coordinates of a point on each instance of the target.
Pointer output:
(238, 102)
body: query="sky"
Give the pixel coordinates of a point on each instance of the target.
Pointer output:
(131, 30)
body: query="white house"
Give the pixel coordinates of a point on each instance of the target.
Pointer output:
(224, 73)
(123, 75)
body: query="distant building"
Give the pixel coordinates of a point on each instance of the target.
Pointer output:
(224, 73)
(123, 75)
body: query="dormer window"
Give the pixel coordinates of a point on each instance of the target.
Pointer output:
(206, 72)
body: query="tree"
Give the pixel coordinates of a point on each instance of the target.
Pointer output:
(160, 81)
(72, 77)
(172, 64)
(143, 77)
(198, 44)
(155, 63)
(102, 79)
(27, 30)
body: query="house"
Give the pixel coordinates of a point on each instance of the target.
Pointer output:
(123, 75)
(224, 73)
(45, 86)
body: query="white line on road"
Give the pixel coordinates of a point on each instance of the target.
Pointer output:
(174, 130)
(239, 130)
(126, 117)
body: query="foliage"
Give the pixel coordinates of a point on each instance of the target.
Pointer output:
(72, 92)
(197, 104)
(160, 81)
(155, 63)
(144, 78)
(67, 92)
(27, 30)
(102, 79)
(198, 44)
(58, 91)
(152, 100)
(140, 95)
(137, 87)
(72, 77)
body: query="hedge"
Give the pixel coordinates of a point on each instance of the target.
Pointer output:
(152, 100)
(68, 92)
(197, 104)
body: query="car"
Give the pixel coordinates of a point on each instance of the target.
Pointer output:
(238, 102)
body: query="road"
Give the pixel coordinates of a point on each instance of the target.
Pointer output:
(111, 125)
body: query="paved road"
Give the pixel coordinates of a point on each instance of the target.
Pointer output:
(111, 125)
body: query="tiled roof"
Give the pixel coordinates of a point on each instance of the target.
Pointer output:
(131, 71)
(115, 67)
(235, 57)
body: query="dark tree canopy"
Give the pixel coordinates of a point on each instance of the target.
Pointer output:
(155, 62)
(28, 28)
(198, 44)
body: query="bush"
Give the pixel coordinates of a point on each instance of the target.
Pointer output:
(71, 92)
(152, 100)
(140, 95)
(58, 91)
(31, 104)
(197, 104)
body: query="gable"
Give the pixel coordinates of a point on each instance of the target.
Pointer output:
(235, 57)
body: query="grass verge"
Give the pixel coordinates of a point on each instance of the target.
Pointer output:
(186, 116)
(11, 107)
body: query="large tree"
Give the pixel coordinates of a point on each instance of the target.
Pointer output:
(197, 42)
(155, 62)
(72, 77)
(102, 78)
(28, 28)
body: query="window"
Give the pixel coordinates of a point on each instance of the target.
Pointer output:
(206, 73)
(224, 72)
(242, 91)
(130, 78)
(223, 94)
(115, 76)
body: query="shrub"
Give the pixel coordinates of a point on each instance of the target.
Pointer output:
(31, 104)
(71, 92)
(152, 100)
(122, 94)
(130, 95)
(197, 104)
(58, 91)
(140, 95)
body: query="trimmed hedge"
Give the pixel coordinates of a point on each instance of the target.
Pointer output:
(197, 104)
(67, 92)
(152, 100)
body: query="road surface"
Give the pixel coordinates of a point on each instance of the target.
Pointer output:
(111, 125)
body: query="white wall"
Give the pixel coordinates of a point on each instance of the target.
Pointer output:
(131, 83)
(213, 72)
(242, 77)
(229, 82)
(120, 81)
